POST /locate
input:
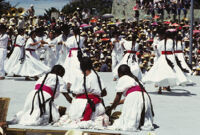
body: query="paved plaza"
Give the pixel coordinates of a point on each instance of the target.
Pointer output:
(176, 112)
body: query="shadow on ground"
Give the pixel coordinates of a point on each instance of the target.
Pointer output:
(174, 92)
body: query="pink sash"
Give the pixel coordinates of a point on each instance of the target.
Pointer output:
(132, 89)
(70, 51)
(44, 88)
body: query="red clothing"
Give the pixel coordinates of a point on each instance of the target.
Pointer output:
(88, 110)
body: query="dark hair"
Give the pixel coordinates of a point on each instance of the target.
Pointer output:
(76, 30)
(32, 32)
(58, 70)
(125, 70)
(20, 31)
(85, 64)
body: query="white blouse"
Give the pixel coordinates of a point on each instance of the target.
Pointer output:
(28, 44)
(51, 82)
(124, 83)
(21, 40)
(92, 85)
(3, 41)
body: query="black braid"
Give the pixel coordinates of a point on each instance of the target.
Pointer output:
(89, 100)
(42, 107)
(100, 86)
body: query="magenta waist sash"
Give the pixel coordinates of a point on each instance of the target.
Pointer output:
(70, 51)
(133, 89)
(44, 88)
(16, 45)
(30, 50)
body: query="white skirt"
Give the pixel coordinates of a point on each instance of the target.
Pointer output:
(72, 119)
(24, 117)
(163, 75)
(50, 58)
(135, 69)
(129, 120)
(30, 67)
(71, 64)
(183, 63)
(62, 55)
(13, 60)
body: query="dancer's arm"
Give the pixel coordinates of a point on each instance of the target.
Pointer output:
(115, 103)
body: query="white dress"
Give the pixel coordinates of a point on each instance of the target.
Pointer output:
(127, 59)
(3, 53)
(129, 119)
(161, 73)
(72, 63)
(31, 66)
(117, 53)
(16, 55)
(77, 107)
(51, 52)
(63, 52)
(24, 117)
(156, 48)
(181, 57)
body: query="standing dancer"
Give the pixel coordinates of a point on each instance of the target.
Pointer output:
(3, 49)
(137, 110)
(74, 43)
(18, 53)
(39, 107)
(63, 53)
(87, 109)
(31, 66)
(165, 72)
(130, 58)
(51, 50)
(117, 52)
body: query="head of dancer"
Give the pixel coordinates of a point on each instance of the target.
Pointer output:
(86, 65)
(124, 70)
(58, 70)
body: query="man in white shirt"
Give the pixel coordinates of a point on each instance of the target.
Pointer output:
(3, 50)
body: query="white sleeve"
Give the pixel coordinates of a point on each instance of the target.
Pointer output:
(124, 83)
(62, 85)
(4, 37)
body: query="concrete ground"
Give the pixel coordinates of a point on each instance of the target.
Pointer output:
(176, 112)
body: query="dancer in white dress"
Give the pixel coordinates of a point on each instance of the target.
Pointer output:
(87, 109)
(51, 50)
(117, 51)
(3, 49)
(31, 67)
(156, 48)
(165, 72)
(18, 52)
(137, 111)
(63, 53)
(39, 107)
(74, 43)
(130, 58)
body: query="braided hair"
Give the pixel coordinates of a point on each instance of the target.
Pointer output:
(125, 70)
(58, 70)
(86, 64)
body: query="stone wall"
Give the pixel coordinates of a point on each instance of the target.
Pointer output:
(123, 9)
